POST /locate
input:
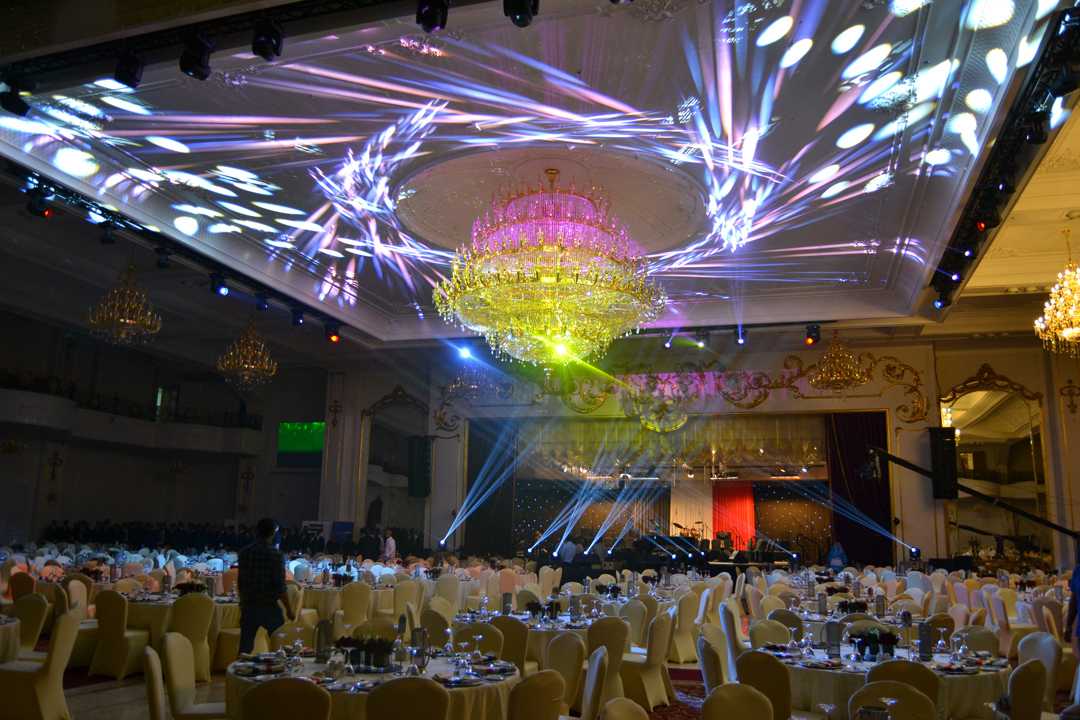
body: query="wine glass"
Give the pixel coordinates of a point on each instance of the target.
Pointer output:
(826, 708)
(913, 651)
(941, 646)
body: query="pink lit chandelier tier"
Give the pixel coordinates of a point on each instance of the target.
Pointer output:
(551, 276)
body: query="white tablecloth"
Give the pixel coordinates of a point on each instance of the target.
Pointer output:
(487, 701)
(9, 639)
(961, 696)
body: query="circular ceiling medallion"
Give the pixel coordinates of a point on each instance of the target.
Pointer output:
(662, 207)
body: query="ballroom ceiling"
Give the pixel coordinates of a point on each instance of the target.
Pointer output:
(776, 161)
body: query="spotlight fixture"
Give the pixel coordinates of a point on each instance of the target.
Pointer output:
(431, 14)
(108, 233)
(672, 556)
(297, 317)
(195, 59)
(700, 340)
(813, 334)
(967, 251)
(267, 40)
(464, 352)
(218, 285)
(916, 553)
(129, 69)
(1036, 131)
(941, 301)
(955, 277)
(163, 254)
(332, 330)
(37, 202)
(740, 336)
(262, 302)
(12, 99)
(521, 12)
(988, 220)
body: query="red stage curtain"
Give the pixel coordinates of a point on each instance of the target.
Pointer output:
(733, 511)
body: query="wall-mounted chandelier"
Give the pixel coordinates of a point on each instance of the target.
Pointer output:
(1059, 325)
(839, 369)
(551, 276)
(124, 316)
(246, 363)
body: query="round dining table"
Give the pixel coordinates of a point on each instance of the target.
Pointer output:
(9, 638)
(959, 695)
(487, 700)
(154, 614)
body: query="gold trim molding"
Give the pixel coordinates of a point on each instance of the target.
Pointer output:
(987, 379)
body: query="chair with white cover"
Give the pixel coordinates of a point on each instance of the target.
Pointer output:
(682, 637)
(574, 588)
(31, 611)
(610, 633)
(119, 650)
(35, 690)
(288, 698)
(623, 709)
(565, 654)
(959, 614)
(737, 700)
(1008, 636)
(768, 632)
(1045, 648)
(910, 673)
(753, 602)
(480, 636)
(643, 675)
(633, 612)
(155, 685)
(766, 673)
(908, 702)
(537, 697)
(515, 643)
(592, 689)
(1027, 684)
(704, 603)
(191, 617)
(179, 662)
(408, 697)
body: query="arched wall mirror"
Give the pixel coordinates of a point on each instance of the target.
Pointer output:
(998, 425)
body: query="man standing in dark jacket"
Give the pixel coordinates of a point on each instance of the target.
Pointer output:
(261, 585)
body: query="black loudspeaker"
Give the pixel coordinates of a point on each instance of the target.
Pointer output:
(419, 466)
(944, 463)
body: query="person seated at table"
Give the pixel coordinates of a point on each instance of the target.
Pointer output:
(260, 584)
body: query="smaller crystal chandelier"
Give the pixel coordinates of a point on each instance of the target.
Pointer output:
(246, 363)
(839, 369)
(1059, 325)
(124, 316)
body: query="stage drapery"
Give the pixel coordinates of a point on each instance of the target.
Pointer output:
(691, 503)
(849, 436)
(733, 511)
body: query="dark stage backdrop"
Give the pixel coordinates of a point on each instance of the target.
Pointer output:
(492, 445)
(848, 436)
(793, 520)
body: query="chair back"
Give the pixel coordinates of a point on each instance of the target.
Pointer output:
(610, 633)
(769, 632)
(959, 614)
(634, 613)
(61, 642)
(448, 587)
(767, 674)
(1044, 647)
(112, 613)
(703, 606)
(718, 641)
(408, 697)
(658, 639)
(652, 607)
(565, 654)
(910, 673)
(127, 586)
(980, 639)
(436, 626)
(179, 671)
(911, 704)
(21, 584)
(526, 596)
(737, 700)
(728, 623)
(593, 692)
(379, 627)
(289, 698)
(537, 697)
(710, 664)
(507, 580)
(515, 640)
(31, 610)
(1027, 685)
(624, 709)
(191, 617)
(406, 591)
(481, 634)
(790, 620)
(155, 684)
(356, 602)
(939, 621)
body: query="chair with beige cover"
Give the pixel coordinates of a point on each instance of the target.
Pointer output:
(525, 596)
(737, 615)
(407, 697)
(289, 633)
(483, 636)
(729, 624)
(652, 608)
(1027, 685)
(910, 703)
(959, 614)
(127, 586)
(682, 635)
(406, 591)
(119, 650)
(515, 642)
(179, 662)
(565, 654)
(35, 690)
(623, 709)
(710, 663)
(31, 610)
(939, 621)
(768, 632)
(592, 689)
(910, 673)
(766, 673)
(634, 612)
(537, 697)
(717, 639)
(77, 598)
(1008, 637)
(436, 626)
(191, 617)
(791, 621)
(21, 584)
(643, 675)
(356, 599)
(448, 588)
(769, 603)
(289, 698)
(379, 627)
(155, 685)
(1045, 648)
(610, 633)
(736, 701)
(979, 639)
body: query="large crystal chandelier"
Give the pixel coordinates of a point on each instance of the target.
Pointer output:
(124, 316)
(1059, 325)
(246, 363)
(839, 369)
(551, 276)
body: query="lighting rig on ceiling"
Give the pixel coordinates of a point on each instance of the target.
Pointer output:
(1025, 129)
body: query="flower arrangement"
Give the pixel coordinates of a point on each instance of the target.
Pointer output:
(368, 651)
(191, 586)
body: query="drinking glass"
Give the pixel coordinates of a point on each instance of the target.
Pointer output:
(941, 646)
(826, 709)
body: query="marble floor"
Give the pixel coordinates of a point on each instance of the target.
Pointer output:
(126, 700)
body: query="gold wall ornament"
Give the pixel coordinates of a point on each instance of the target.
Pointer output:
(1070, 392)
(1059, 325)
(839, 369)
(124, 315)
(986, 378)
(551, 276)
(246, 362)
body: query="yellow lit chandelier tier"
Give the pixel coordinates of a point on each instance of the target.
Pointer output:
(124, 316)
(551, 276)
(246, 363)
(1059, 325)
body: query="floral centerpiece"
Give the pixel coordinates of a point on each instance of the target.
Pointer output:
(368, 651)
(875, 642)
(191, 586)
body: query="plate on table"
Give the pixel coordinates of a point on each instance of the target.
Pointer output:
(361, 686)
(453, 682)
(821, 664)
(954, 669)
(500, 667)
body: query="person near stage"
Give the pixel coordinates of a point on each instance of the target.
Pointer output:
(567, 552)
(260, 583)
(837, 558)
(389, 549)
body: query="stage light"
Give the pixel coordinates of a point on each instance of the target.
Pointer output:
(794, 556)
(267, 40)
(981, 225)
(813, 334)
(129, 69)
(916, 553)
(37, 202)
(521, 12)
(608, 552)
(700, 340)
(528, 551)
(297, 316)
(955, 277)
(667, 344)
(262, 302)
(431, 14)
(672, 556)
(701, 553)
(740, 336)
(332, 330)
(804, 469)
(442, 543)
(218, 284)
(195, 59)
(464, 352)
(560, 350)
(554, 554)
(163, 254)
(941, 301)
(108, 233)
(968, 252)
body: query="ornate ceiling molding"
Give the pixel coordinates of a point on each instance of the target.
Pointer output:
(397, 396)
(986, 379)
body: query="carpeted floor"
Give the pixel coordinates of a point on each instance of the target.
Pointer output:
(690, 697)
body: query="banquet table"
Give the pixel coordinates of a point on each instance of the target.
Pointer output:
(960, 696)
(323, 599)
(155, 616)
(486, 701)
(9, 639)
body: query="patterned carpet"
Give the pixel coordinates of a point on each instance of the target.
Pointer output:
(690, 697)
